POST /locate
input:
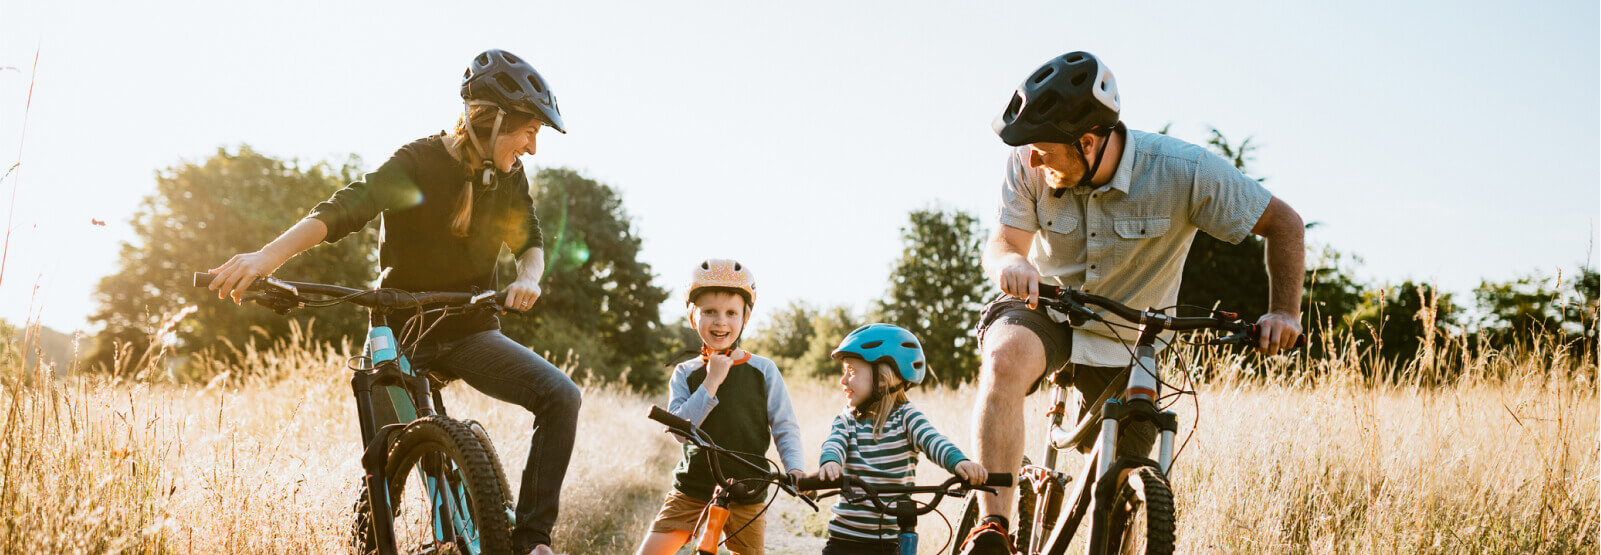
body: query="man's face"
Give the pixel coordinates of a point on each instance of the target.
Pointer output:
(1063, 166)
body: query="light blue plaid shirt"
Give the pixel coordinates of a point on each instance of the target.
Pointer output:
(1127, 240)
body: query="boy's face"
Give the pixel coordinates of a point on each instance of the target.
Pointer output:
(719, 317)
(857, 381)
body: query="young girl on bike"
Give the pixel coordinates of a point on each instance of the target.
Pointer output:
(449, 202)
(878, 436)
(739, 399)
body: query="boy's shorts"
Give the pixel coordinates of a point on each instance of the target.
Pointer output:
(680, 513)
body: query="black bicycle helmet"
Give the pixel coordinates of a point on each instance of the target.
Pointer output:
(511, 83)
(1067, 97)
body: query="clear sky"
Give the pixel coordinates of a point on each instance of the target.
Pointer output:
(1446, 141)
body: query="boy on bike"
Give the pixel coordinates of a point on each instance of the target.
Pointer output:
(738, 399)
(1090, 204)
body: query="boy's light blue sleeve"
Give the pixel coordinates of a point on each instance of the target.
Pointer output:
(781, 414)
(930, 442)
(834, 446)
(691, 406)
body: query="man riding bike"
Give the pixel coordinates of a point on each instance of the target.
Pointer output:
(1090, 204)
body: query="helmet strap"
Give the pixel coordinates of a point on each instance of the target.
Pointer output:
(485, 153)
(1100, 154)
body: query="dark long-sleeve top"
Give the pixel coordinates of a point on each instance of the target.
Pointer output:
(416, 192)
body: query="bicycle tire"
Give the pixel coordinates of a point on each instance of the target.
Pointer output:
(966, 524)
(443, 447)
(1142, 520)
(1027, 502)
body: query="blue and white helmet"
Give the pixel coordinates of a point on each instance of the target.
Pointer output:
(889, 343)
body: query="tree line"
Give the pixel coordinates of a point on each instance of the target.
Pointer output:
(600, 317)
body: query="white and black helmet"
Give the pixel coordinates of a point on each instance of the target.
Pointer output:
(1069, 96)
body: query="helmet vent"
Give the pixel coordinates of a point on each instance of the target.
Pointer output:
(872, 345)
(506, 82)
(705, 265)
(917, 364)
(1043, 74)
(1079, 79)
(1075, 58)
(483, 59)
(737, 267)
(535, 84)
(909, 345)
(510, 57)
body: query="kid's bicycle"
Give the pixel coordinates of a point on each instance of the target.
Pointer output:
(900, 502)
(433, 484)
(715, 517)
(1128, 499)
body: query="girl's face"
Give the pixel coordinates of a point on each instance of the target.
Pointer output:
(857, 380)
(719, 317)
(512, 144)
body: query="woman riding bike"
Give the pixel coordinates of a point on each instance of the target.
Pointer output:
(448, 203)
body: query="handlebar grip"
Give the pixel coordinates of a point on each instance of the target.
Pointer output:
(999, 480)
(669, 419)
(1047, 290)
(812, 483)
(1300, 340)
(203, 279)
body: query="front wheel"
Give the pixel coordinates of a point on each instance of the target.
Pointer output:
(445, 493)
(1142, 518)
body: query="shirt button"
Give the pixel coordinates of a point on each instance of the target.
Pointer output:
(1092, 234)
(1092, 266)
(1048, 222)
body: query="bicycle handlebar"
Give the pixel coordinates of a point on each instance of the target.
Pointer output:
(995, 479)
(1072, 302)
(270, 289)
(697, 437)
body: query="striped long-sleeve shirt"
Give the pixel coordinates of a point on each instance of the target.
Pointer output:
(887, 458)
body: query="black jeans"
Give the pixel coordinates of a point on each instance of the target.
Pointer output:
(497, 366)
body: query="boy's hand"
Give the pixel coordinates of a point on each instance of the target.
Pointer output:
(829, 471)
(717, 369)
(971, 471)
(795, 475)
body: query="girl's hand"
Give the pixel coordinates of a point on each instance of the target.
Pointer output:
(236, 275)
(795, 476)
(522, 294)
(829, 471)
(971, 471)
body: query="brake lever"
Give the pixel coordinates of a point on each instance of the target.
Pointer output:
(273, 301)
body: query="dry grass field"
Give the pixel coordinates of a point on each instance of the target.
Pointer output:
(263, 459)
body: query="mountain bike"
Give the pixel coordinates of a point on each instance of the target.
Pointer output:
(1128, 499)
(715, 517)
(906, 509)
(433, 484)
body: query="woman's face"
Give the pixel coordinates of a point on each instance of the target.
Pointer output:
(512, 144)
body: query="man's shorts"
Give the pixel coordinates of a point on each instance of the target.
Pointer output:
(1057, 337)
(1090, 381)
(681, 513)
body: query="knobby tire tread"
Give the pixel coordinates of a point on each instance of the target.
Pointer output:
(479, 468)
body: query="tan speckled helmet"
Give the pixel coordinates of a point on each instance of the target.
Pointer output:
(722, 273)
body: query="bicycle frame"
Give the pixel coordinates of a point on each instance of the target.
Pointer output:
(389, 396)
(1101, 475)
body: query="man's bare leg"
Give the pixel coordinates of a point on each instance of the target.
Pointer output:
(1013, 357)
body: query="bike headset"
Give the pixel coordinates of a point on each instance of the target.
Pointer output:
(1071, 95)
(501, 79)
(888, 344)
(722, 275)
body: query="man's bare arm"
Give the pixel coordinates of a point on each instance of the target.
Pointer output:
(1284, 235)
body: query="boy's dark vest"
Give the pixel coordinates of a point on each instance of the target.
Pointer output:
(738, 422)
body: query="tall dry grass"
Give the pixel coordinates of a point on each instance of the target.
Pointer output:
(1351, 454)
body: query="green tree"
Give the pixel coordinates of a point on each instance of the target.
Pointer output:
(829, 328)
(937, 289)
(1332, 293)
(600, 310)
(787, 335)
(200, 215)
(1397, 320)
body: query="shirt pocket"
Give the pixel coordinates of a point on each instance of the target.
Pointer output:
(1135, 234)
